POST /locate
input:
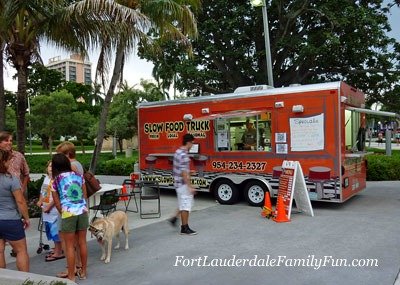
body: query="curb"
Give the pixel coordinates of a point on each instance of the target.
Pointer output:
(13, 277)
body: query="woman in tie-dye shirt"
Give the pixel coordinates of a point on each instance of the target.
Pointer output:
(70, 199)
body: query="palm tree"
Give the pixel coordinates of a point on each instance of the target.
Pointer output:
(2, 95)
(171, 19)
(74, 26)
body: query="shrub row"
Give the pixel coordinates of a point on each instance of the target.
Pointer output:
(107, 164)
(383, 168)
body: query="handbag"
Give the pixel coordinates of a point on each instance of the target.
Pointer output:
(91, 182)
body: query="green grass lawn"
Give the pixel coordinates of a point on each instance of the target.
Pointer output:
(39, 149)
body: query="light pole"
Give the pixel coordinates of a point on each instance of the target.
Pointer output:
(258, 3)
(30, 126)
(377, 106)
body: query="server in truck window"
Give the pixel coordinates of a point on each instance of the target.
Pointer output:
(249, 137)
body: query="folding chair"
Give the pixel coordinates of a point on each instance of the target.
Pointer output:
(132, 189)
(149, 190)
(108, 203)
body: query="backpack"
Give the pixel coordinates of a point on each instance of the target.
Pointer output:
(91, 182)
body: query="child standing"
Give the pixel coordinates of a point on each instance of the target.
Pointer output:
(50, 216)
(70, 199)
(380, 138)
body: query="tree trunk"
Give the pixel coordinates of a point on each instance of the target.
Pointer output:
(2, 95)
(45, 142)
(119, 57)
(120, 144)
(82, 146)
(21, 107)
(50, 146)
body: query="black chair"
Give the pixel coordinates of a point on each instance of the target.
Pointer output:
(149, 190)
(108, 203)
(132, 190)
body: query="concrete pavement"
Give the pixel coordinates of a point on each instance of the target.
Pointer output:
(364, 229)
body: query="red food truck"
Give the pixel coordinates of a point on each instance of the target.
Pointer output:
(242, 138)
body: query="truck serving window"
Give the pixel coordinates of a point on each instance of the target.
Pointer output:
(352, 127)
(245, 133)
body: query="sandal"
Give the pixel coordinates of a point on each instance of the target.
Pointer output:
(80, 275)
(53, 258)
(51, 252)
(64, 274)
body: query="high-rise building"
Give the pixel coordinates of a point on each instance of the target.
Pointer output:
(75, 68)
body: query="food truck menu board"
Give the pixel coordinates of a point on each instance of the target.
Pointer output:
(307, 134)
(293, 186)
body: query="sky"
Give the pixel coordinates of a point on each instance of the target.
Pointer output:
(394, 20)
(136, 69)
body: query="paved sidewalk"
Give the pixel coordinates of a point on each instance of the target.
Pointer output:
(374, 144)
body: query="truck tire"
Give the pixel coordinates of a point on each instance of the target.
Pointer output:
(226, 192)
(255, 193)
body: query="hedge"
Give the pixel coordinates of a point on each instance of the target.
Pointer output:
(383, 168)
(107, 164)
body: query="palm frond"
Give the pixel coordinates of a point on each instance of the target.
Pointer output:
(103, 64)
(178, 13)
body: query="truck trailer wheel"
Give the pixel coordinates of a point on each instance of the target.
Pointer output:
(255, 193)
(226, 192)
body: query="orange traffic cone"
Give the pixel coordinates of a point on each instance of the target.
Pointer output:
(267, 201)
(266, 211)
(281, 216)
(123, 191)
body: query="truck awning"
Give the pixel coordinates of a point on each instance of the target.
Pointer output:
(231, 114)
(378, 113)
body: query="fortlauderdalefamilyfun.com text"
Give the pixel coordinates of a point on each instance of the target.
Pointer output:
(279, 261)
